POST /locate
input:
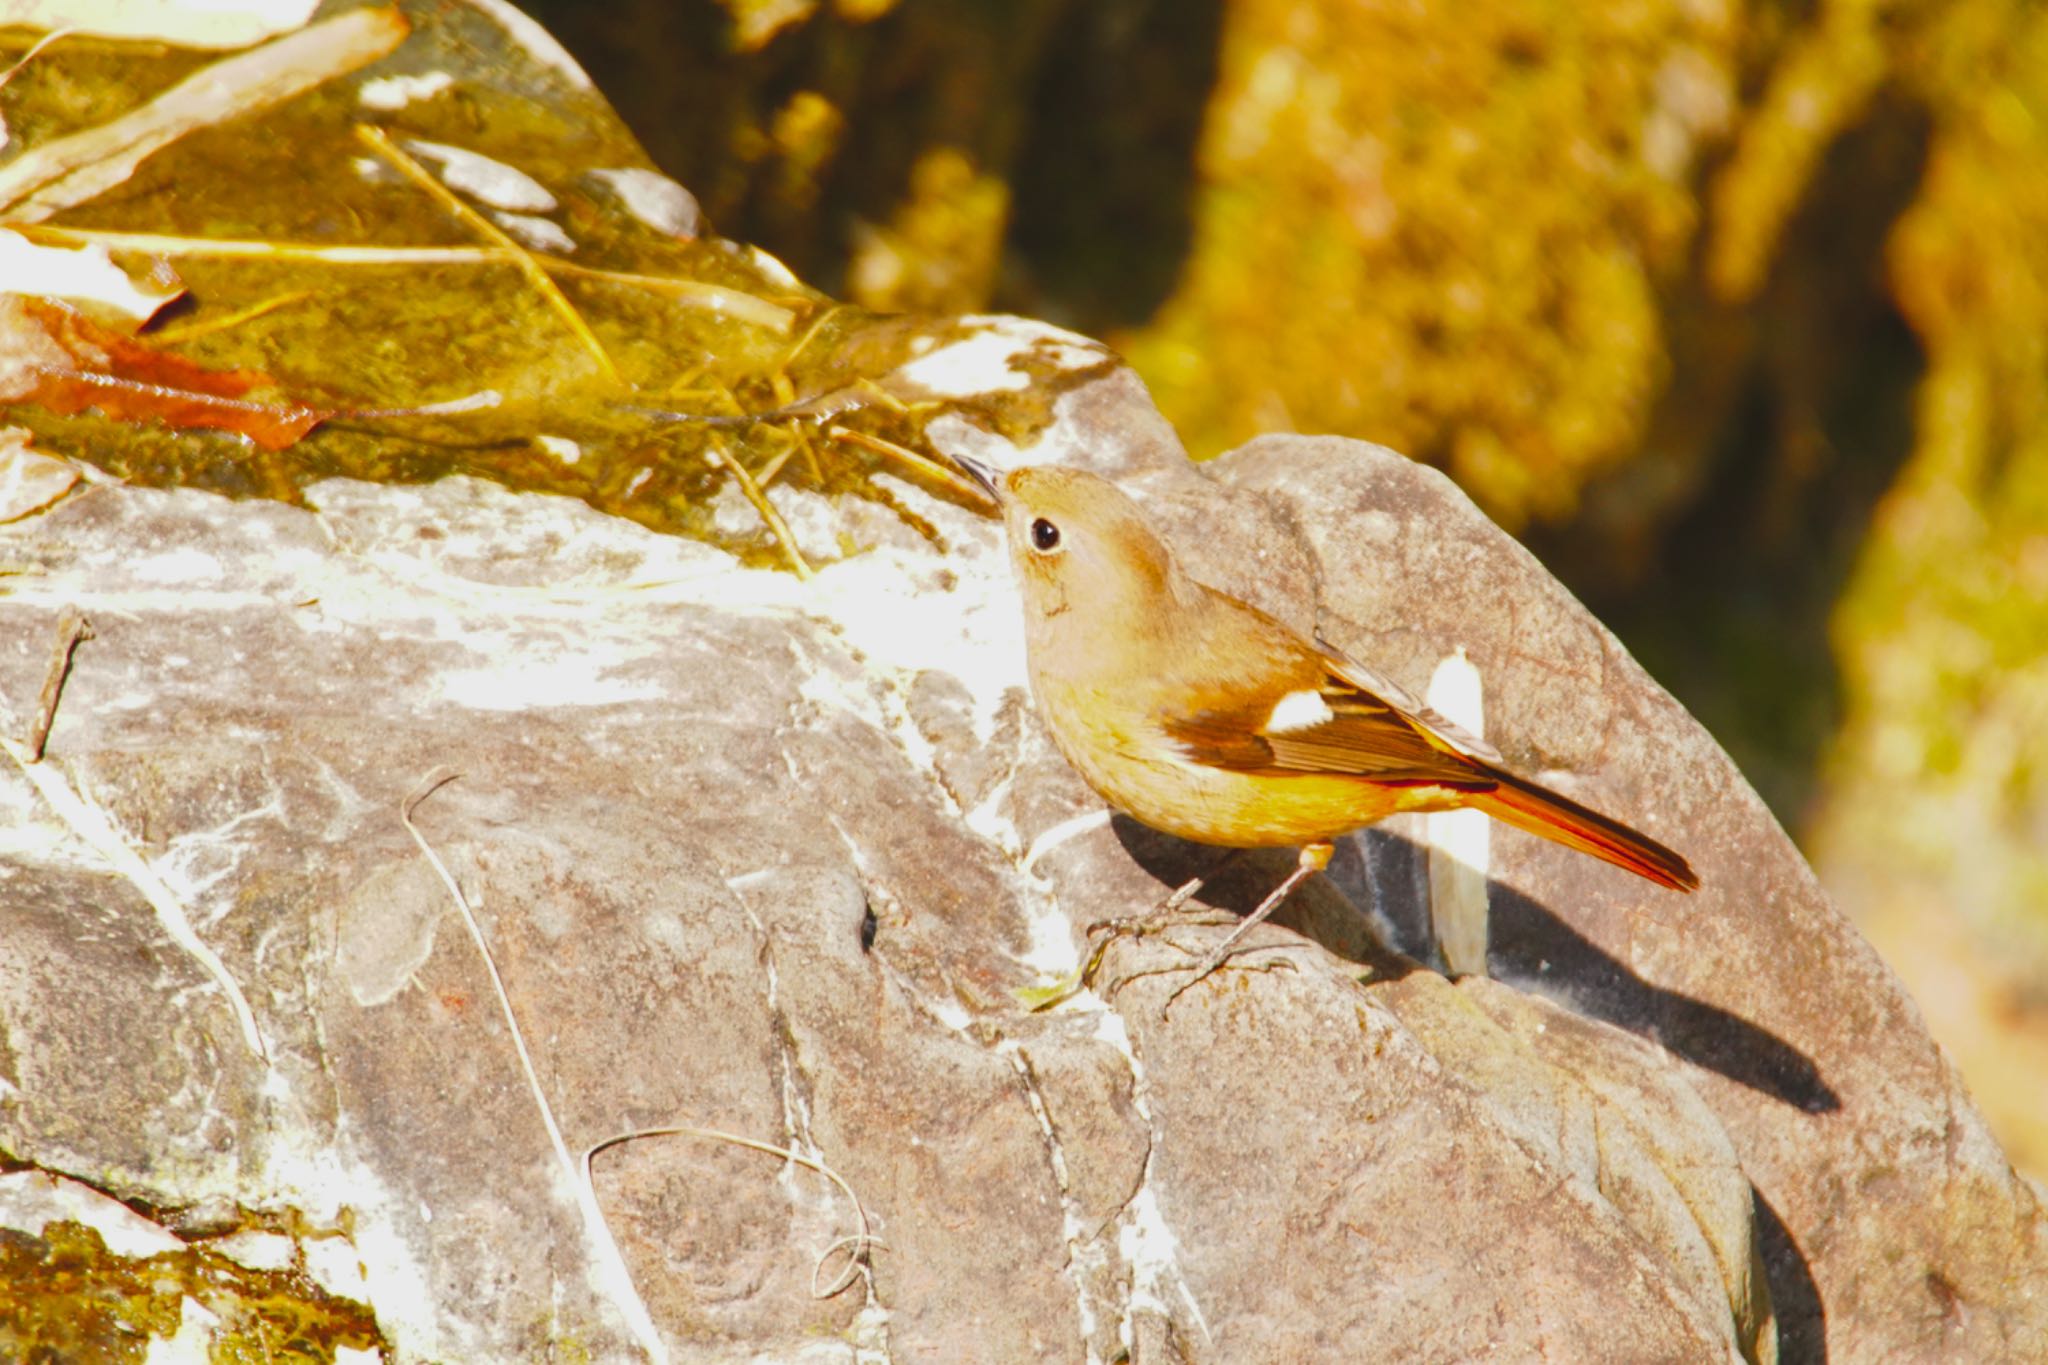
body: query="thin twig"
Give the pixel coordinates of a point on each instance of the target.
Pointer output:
(930, 468)
(52, 36)
(85, 818)
(167, 244)
(185, 331)
(777, 527)
(734, 303)
(599, 1232)
(71, 628)
(810, 335)
(776, 462)
(381, 143)
(862, 1243)
(803, 440)
(715, 297)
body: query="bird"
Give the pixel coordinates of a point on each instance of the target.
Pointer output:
(1198, 714)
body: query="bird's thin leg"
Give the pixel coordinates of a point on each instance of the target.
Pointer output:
(1314, 858)
(1187, 890)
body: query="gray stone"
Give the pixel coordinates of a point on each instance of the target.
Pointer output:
(774, 860)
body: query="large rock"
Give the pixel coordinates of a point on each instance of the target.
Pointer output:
(774, 859)
(749, 855)
(1893, 1226)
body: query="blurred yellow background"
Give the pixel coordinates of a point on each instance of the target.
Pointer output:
(1738, 314)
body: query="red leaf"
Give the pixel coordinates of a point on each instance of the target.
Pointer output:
(128, 381)
(126, 400)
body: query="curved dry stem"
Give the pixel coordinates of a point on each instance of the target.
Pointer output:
(380, 142)
(625, 1294)
(860, 1245)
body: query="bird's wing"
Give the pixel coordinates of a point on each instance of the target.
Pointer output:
(1342, 718)
(1369, 680)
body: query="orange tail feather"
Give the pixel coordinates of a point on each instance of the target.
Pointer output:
(1527, 806)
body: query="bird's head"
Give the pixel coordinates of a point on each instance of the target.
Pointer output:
(1085, 559)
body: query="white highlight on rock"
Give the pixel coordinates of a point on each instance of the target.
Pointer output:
(386, 93)
(85, 274)
(191, 1345)
(1065, 831)
(358, 1355)
(177, 568)
(1303, 710)
(514, 685)
(542, 234)
(335, 1266)
(29, 479)
(1146, 1241)
(91, 824)
(256, 1250)
(561, 447)
(1085, 1253)
(31, 1200)
(484, 180)
(980, 364)
(1460, 853)
(982, 361)
(1066, 350)
(654, 199)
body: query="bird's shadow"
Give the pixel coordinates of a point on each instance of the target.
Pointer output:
(1383, 907)
(1372, 907)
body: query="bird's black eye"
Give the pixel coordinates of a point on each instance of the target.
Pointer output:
(1045, 535)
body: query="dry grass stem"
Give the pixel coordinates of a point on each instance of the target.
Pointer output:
(35, 50)
(90, 823)
(626, 1296)
(774, 465)
(71, 628)
(536, 275)
(861, 1245)
(186, 331)
(776, 525)
(928, 467)
(810, 335)
(717, 298)
(165, 244)
(803, 441)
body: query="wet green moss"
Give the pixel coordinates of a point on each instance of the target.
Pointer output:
(69, 1298)
(694, 329)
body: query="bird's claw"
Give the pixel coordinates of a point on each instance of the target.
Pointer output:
(1212, 963)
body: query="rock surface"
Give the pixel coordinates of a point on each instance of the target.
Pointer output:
(773, 859)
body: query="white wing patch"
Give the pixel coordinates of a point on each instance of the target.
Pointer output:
(1303, 710)
(1459, 840)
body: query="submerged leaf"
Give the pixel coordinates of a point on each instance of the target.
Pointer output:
(127, 400)
(59, 359)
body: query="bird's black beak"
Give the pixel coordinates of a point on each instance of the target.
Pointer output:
(986, 477)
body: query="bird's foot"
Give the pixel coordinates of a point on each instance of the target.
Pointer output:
(1219, 958)
(1154, 922)
(1214, 963)
(1169, 912)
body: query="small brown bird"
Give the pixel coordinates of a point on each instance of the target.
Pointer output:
(1202, 716)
